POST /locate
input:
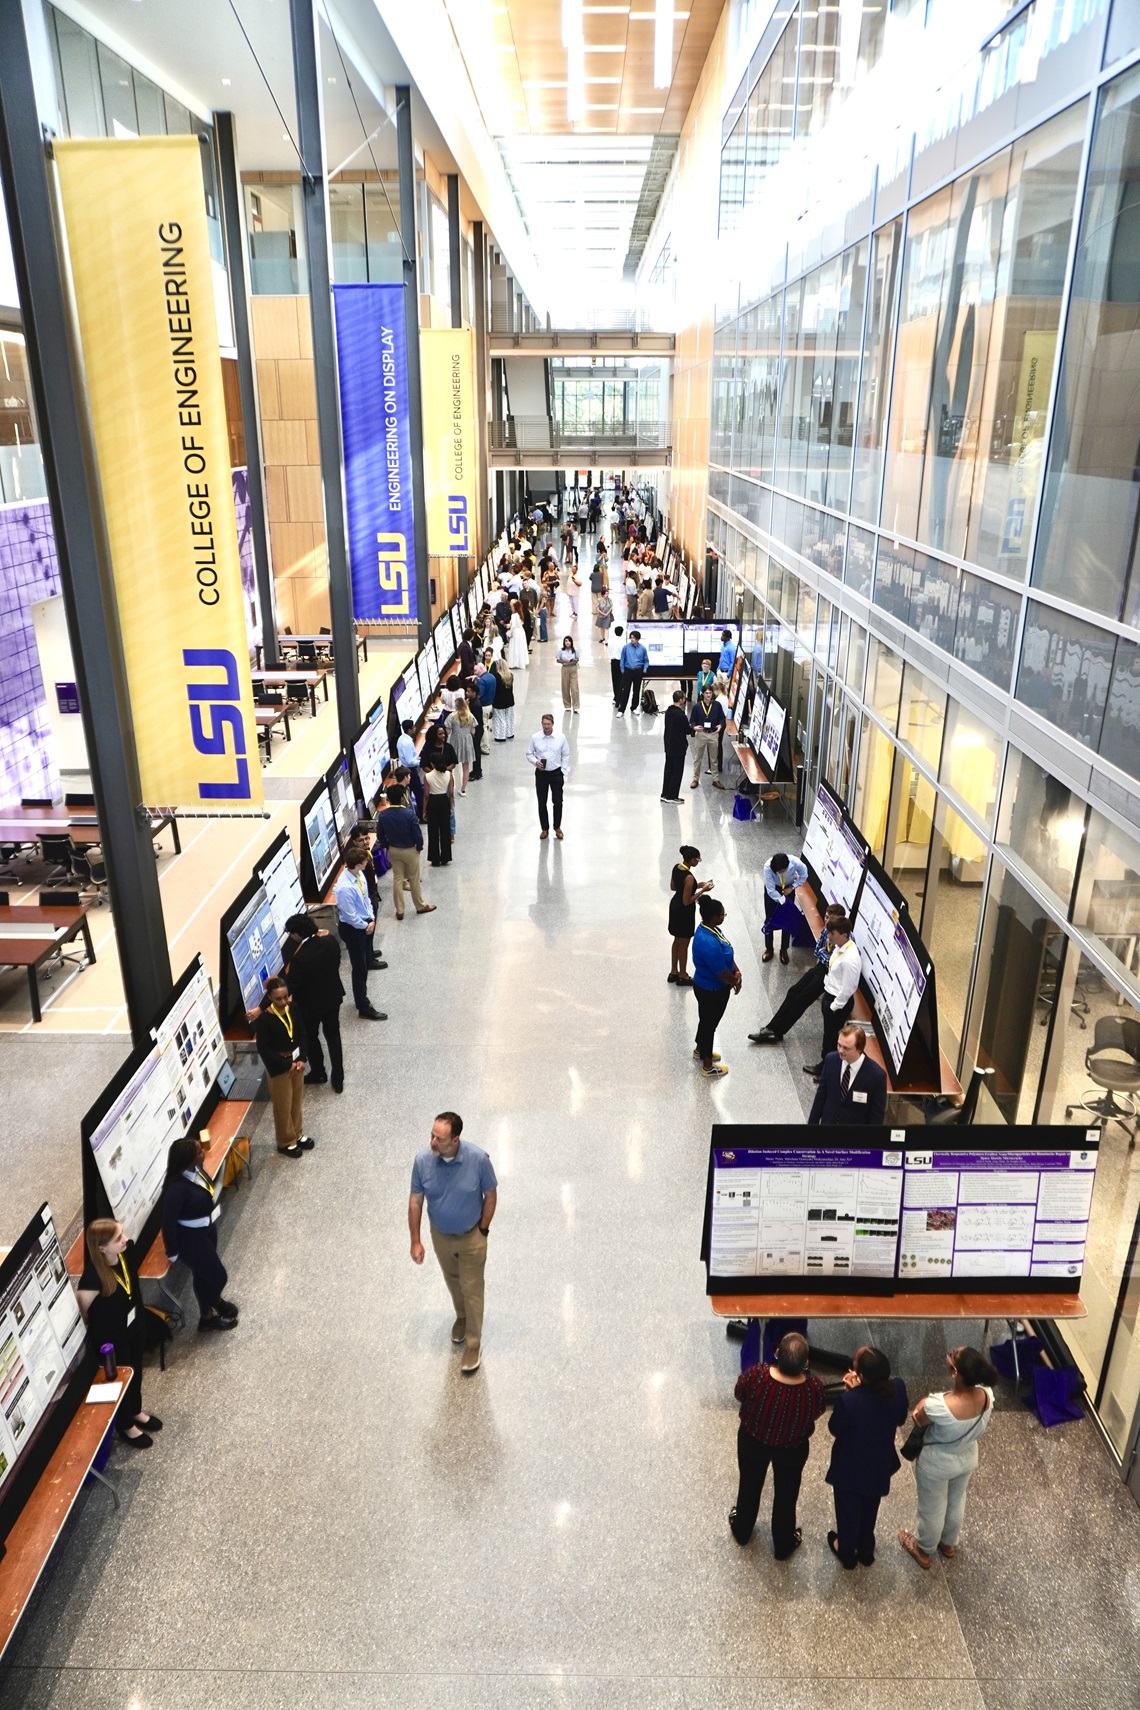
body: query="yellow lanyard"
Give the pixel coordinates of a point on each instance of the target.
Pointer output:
(123, 1278)
(286, 1021)
(362, 888)
(204, 1179)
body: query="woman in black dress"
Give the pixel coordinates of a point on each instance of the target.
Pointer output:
(683, 912)
(110, 1299)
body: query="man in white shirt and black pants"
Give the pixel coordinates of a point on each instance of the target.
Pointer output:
(840, 983)
(550, 757)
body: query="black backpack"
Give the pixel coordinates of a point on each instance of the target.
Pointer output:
(649, 701)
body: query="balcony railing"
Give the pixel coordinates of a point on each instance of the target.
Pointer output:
(539, 433)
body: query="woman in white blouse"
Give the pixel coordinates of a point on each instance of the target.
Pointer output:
(955, 1420)
(517, 652)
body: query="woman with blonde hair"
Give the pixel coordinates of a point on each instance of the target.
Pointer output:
(460, 725)
(503, 704)
(110, 1299)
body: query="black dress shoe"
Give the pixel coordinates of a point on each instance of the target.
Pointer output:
(227, 1308)
(372, 1015)
(316, 1080)
(306, 1142)
(153, 1424)
(217, 1322)
(815, 1070)
(142, 1441)
(377, 962)
(338, 1086)
(765, 1037)
(293, 1151)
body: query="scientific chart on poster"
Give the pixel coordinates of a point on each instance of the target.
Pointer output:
(665, 645)
(996, 1214)
(41, 1336)
(804, 1211)
(409, 701)
(755, 729)
(320, 834)
(371, 751)
(835, 853)
(891, 968)
(705, 638)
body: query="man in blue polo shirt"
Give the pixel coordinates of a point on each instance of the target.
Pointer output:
(459, 1185)
(634, 664)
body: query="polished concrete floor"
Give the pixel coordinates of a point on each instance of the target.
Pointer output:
(334, 1517)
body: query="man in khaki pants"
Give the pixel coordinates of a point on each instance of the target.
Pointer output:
(459, 1185)
(398, 831)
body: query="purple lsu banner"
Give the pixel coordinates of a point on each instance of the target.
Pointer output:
(372, 361)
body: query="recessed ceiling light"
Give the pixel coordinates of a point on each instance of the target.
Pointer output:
(226, 81)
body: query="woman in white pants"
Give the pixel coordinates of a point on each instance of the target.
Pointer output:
(955, 1420)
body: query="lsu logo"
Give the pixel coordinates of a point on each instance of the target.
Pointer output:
(457, 527)
(392, 572)
(215, 708)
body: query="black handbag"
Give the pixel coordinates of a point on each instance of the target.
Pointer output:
(912, 1448)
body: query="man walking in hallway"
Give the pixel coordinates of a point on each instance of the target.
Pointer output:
(461, 1190)
(676, 737)
(550, 757)
(356, 925)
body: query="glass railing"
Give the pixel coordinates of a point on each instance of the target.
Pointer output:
(524, 433)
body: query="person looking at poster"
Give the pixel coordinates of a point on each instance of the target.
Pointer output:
(779, 1405)
(863, 1422)
(110, 1299)
(190, 1213)
(954, 1422)
(282, 1046)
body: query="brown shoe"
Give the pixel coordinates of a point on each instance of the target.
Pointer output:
(428, 908)
(784, 957)
(912, 1547)
(543, 835)
(768, 954)
(558, 834)
(948, 1550)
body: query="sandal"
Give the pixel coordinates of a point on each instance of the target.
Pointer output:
(911, 1545)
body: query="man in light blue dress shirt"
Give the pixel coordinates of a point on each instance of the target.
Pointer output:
(356, 925)
(634, 664)
(782, 874)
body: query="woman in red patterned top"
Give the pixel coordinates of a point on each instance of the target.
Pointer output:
(779, 1407)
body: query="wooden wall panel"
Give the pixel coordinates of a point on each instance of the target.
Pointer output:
(283, 347)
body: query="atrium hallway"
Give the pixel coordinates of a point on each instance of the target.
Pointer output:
(333, 1517)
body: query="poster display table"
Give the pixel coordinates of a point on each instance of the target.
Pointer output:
(33, 1537)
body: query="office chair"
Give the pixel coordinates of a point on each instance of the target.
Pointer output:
(8, 853)
(306, 653)
(83, 866)
(66, 899)
(97, 867)
(76, 951)
(36, 802)
(942, 1115)
(56, 849)
(79, 799)
(1112, 1061)
(5, 899)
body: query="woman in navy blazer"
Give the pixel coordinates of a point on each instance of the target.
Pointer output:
(863, 1460)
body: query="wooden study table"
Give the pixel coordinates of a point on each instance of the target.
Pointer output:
(24, 825)
(287, 643)
(306, 680)
(267, 718)
(22, 946)
(33, 1537)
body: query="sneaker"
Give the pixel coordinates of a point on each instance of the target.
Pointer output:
(717, 1070)
(697, 1056)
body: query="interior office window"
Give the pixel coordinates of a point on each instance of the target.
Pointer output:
(820, 62)
(841, 747)
(724, 393)
(273, 220)
(826, 630)
(1022, 349)
(971, 760)
(118, 94)
(935, 594)
(761, 371)
(1107, 896)
(874, 384)
(1020, 958)
(910, 828)
(150, 106)
(873, 785)
(971, 246)
(805, 616)
(440, 252)
(385, 252)
(852, 288)
(985, 633)
(346, 227)
(854, 671)
(927, 259)
(1087, 543)
(859, 565)
(179, 122)
(1066, 668)
(732, 157)
(1120, 736)
(922, 715)
(809, 380)
(951, 910)
(790, 427)
(823, 540)
(884, 682)
(1042, 821)
(81, 84)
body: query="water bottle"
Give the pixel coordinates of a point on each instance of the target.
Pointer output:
(107, 1354)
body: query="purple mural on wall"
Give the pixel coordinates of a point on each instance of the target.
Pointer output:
(29, 571)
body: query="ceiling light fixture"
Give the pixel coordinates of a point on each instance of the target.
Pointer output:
(573, 40)
(663, 44)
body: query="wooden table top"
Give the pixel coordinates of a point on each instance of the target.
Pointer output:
(963, 1305)
(36, 914)
(310, 678)
(32, 1538)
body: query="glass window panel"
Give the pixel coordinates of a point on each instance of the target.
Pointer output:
(1010, 441)
(178, 120)
(1107, 898)
(274, 269)
(835, 488)
(1123, 30)
(856, 658)
(149, 106)
(1065, 671)
(958, 357)
(971, 760)
(346, 224)
(951, 911)
(385, 255)
(859, 566)
(822, 542)
(910, 833)
(1120, 737)
(82, 86)
(894, 574)
(935, 592)
(732, 175)
(826, 630)
(873, 786)
(791, 426)
(986, 631)
(805, 616)
(724, 394)
(1088, 536)
(118, 94)
(819, 64)
(841, 747)
(1042, 821)
(884, 682)
(1019, 958)
(924, 272)
(874, 383)
(922, 717)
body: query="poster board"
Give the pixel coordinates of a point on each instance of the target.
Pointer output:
(372, 755)
(835, 853)
(898, 978)
(891, 1210)
(320, 849)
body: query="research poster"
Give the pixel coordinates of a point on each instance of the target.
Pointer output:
(891, 969)
(372, 365)
(139, 254)
(996, 1214)
(834, 851)
(41, 1337)
(807, 1211)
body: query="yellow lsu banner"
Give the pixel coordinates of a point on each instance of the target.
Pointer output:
(135, 215)
(447, 388)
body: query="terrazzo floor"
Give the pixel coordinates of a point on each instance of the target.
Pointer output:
(334, 1517)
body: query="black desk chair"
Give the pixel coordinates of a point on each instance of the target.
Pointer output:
(84, 862)
(1112, 1061)
(56, 851)
(10, 852)
(79, 799)
(36, 802)
(940, 1114)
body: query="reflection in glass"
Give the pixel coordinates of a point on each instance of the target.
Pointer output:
(874, 385)
(950, 914)
(884, 682)
(873, 786)
(971, 756)
(923, 715)
(1107, 899)
(1019, 959)
(1120, 738)
(856, 658)
(934, 601)
(985, 632)
(894, 574)
(1088, 532)
(1042, 821)
(1065, 670)
(346, 222)
(927, 245)
(859, 568)
(910, 828)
